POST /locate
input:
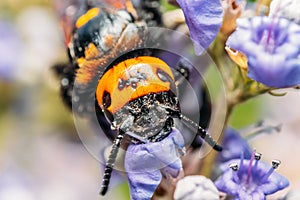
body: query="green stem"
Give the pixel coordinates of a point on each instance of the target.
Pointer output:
(239, 88)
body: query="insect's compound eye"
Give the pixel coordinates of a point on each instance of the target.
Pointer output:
(106, 102)
(163, 76)
(106, 99)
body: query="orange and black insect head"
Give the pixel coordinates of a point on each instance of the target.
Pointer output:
(131, 79)
(135, 90)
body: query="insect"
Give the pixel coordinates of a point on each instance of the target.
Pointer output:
(133, 89)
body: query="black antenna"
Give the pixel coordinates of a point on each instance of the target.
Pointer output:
(110, 163)
(203, 134)
(200, 131)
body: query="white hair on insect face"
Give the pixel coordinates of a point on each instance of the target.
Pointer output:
(286, 8)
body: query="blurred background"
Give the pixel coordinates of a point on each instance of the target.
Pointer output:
(41, 155)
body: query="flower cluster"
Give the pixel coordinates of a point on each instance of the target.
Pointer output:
(243, 175)
(269, 48)
(251, 179)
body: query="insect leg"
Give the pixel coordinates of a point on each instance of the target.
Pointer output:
(200, 131)
(203, 134)
(110, 163)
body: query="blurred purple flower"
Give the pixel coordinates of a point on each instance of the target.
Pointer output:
(233, 144)
(15, 183)
(9, 50)
(287, 9)
(251, 179)
(144, 163)
(204, 19)
(271, 47)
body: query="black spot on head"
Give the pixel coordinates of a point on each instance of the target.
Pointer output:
(163, 76)
(106, 99)
(134, 85)
(121, 84)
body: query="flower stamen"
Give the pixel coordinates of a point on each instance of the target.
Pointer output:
(242, 159)
(234, 166)
(257, 158)
(269, 36)
(275, 165)
(271, 30)
(250, 166)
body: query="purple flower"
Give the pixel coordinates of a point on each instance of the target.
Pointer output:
(204, 19)
(270, 48)
(233, 144)
(144, 163)
(251, 179)
(9, 50)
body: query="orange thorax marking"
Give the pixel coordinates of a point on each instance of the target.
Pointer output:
(138, 77)
(88, 64)
(90, 14)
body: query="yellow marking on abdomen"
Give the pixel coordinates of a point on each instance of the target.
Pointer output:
(90, 14)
